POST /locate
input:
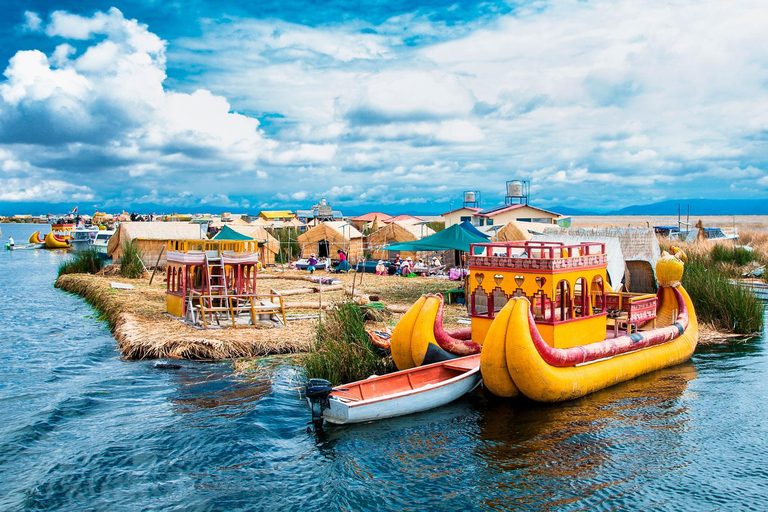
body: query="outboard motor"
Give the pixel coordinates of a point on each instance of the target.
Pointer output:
(317, 392)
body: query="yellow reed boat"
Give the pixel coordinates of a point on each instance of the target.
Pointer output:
(547, 324)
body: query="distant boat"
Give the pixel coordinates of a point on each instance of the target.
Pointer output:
(395, 394)
(101, 242)
(83, 238)
(690, 235)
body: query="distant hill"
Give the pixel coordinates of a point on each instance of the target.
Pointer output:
(699, 207)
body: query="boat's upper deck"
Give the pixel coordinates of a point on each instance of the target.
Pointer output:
(537, 256)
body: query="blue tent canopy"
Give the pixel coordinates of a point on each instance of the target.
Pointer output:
(472, 229)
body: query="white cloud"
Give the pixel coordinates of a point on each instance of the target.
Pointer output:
(15, 189)
(32, 21)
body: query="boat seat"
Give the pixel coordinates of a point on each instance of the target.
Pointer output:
(462, 365)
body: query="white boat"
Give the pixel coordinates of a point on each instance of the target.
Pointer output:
(395, 394)
(759, 288)
(101, 242)
(82, 238)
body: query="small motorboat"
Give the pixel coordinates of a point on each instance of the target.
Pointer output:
(395, 394)
(83, 238)
(24, 247)
(758, 288)
(101, 242)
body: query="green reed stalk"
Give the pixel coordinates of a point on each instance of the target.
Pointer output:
(85, 262)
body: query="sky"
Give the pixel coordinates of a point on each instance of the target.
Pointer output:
(390, 106)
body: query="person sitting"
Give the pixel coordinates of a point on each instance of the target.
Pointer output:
(398, 263)
(343, 263)
(381, 269)
(406, 267)
(312, 261)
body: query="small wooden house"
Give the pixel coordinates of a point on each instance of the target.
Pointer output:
(325, 239)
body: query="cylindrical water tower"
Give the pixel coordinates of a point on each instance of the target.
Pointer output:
(471, 199)
(518, 192)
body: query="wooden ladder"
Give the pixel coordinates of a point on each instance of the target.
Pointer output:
(218, 297)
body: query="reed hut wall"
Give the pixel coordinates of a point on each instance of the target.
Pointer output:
(151, 239)
(327, 238)
(397, 232)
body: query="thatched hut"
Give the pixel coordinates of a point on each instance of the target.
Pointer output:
(512, 232)
(396, 232)
(269, 246)
(151, 238)
(327, 238)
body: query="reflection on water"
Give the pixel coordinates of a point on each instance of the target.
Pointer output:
(84, 429)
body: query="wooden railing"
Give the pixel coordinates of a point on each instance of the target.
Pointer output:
(234, 305)
(244, 246)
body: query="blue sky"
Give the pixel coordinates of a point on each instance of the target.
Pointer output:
(393, 106)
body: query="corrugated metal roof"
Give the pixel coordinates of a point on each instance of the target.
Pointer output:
(276, 214)
(372, 215)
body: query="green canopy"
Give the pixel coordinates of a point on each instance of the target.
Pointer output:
(227, 233)
(454, 237)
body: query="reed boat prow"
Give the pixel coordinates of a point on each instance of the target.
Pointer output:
(395, 394)
(548, 324)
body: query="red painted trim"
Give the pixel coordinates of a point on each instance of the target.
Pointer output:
(607, 348)
(460, 347)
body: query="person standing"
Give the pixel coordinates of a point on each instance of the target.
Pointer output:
(11, 242)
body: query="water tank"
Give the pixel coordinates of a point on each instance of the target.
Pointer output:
(515, 188)
(469, 196)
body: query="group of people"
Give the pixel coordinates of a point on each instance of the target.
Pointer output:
(343, 262)
(406, 267)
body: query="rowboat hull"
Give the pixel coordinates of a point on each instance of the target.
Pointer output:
(415, 390)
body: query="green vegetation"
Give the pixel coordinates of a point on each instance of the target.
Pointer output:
(131, 265)
(731, 254)
(85, 262)
(720, 303)
(436, 226)
(289, 246)
(343, 352)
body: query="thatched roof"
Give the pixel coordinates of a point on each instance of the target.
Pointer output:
(331, 231)
(399, 232)
(160, 231)
(512, 232)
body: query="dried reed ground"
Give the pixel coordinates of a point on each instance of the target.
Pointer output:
(143, 330)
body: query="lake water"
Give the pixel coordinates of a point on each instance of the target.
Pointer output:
(83, 429)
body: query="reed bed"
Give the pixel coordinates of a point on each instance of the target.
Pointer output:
(85, 262)
(719, 303)
(143, 330)
(130, 264)
(342, 351)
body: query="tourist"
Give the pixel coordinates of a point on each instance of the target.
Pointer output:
(312, 261)
(381, 269)
(11, 242)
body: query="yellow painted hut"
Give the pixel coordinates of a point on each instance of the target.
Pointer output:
(325, 239)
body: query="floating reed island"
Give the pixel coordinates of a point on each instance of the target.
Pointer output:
(144, 330)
